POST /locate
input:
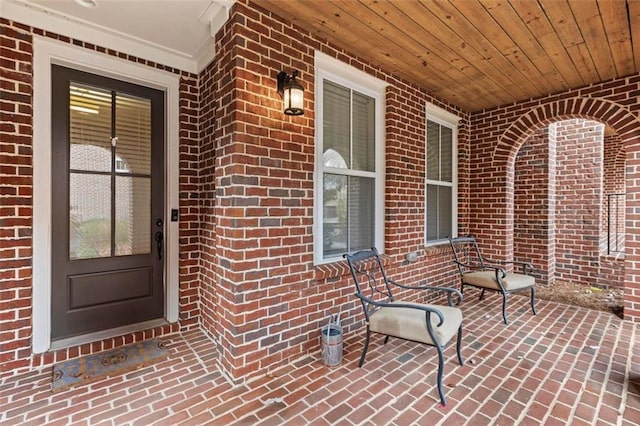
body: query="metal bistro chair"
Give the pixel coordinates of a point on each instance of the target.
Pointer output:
(433, 325)
(479, 272)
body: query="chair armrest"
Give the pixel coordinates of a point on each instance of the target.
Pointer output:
(524, 265)
(450, 291)
(475, 265)
(419, 306)
(500, 272)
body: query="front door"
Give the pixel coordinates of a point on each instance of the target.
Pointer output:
(107, 203)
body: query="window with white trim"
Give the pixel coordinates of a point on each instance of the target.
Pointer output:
(349, 178)
(441, 176)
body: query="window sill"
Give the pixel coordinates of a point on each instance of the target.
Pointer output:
(437, 248)
(327, 271)
(340, 269)
(613, 256)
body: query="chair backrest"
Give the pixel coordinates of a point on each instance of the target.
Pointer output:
(369, 278)
(466, 251)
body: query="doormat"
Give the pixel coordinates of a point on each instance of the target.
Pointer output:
(93, 367)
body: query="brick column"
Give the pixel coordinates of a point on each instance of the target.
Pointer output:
(263, 248)
(534, 184)
(579, 145)
(632, 235)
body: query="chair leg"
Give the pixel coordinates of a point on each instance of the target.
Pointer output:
(364, 350)
(459, 345)
(533, 300)
(386, 340)
(504, 308)
(443, 400)
(481, 294)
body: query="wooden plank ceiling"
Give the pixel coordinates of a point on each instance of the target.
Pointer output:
(479, 54)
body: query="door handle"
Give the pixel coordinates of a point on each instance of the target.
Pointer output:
(159, 237)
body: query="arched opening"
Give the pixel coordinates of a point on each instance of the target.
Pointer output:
(620, 124)
(569, 204)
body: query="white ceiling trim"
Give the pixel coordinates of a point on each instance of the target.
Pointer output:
(216, 15)
(48, 20)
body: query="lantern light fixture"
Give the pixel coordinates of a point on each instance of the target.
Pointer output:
(292, 93)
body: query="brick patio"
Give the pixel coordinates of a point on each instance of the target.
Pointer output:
(567, 365)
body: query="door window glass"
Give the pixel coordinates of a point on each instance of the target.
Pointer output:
(110, 173)
(133, 130)
(90, 128)
(89, 216)
(133, 201)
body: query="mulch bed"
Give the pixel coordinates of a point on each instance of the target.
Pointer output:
(604, 299)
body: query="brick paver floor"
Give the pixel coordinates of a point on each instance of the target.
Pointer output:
(567, 365)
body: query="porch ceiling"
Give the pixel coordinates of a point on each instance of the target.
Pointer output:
(485, 53)
(476, 54)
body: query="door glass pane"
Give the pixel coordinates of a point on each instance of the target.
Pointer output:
(446, 157)
(433, 151)
(89, 216)
(363, 132)
(334, 215)
(133, 215)
(336, 126)
(133, 130)
(361, 213)
(89, 128)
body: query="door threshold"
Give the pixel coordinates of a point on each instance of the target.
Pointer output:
(69, 342)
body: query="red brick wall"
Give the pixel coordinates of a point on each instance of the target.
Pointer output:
(189, 201)
(272, 301)
(15, 197)
(16, 174)
(579, 154)
(204, 193)
(534, 181)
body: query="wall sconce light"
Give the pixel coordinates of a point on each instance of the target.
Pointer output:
(292, 93)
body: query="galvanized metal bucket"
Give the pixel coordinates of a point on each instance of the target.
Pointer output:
(331, 344)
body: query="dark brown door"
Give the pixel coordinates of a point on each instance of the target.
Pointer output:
(107, 203)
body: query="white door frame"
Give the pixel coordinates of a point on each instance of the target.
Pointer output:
(45, 53)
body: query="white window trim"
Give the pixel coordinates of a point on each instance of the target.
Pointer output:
(47, 52)
(447, 119)
(338, 72)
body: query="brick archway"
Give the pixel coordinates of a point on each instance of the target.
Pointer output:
(623, 121)
(626, 125)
